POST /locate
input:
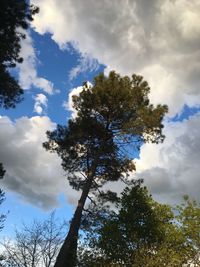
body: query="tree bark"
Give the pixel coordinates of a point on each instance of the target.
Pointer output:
(68, 252)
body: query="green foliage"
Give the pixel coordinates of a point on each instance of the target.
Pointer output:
(141, 232)
(189, 220)
(14, 17)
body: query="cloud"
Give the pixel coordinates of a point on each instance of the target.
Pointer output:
(172, 169)
(155, 38)
(68, 105)
(40, 103)
(33, 173)
(28, 76)
(158, 39)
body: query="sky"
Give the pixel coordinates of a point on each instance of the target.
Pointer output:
(70, 42)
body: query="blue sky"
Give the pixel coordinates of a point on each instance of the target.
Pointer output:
(55, 65)
(70, 42)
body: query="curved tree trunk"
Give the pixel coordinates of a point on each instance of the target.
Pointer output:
(68, 252)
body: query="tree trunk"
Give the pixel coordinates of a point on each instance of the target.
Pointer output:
(67, 255)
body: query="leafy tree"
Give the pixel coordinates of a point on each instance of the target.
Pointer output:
(141, 232)
(95, 147)
(14, 17)
(188, 217)
(34, 245)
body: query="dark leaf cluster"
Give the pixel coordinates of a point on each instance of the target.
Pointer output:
(15, 17)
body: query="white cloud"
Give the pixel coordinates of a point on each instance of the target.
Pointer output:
(40, 103)
(155, 38)
(28, 76)
(32, 173)
(68, 105)
(158, 39)
(172, 169)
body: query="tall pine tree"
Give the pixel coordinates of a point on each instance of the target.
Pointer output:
(114, 117)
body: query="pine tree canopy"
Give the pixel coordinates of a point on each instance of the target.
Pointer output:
(114, 117)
